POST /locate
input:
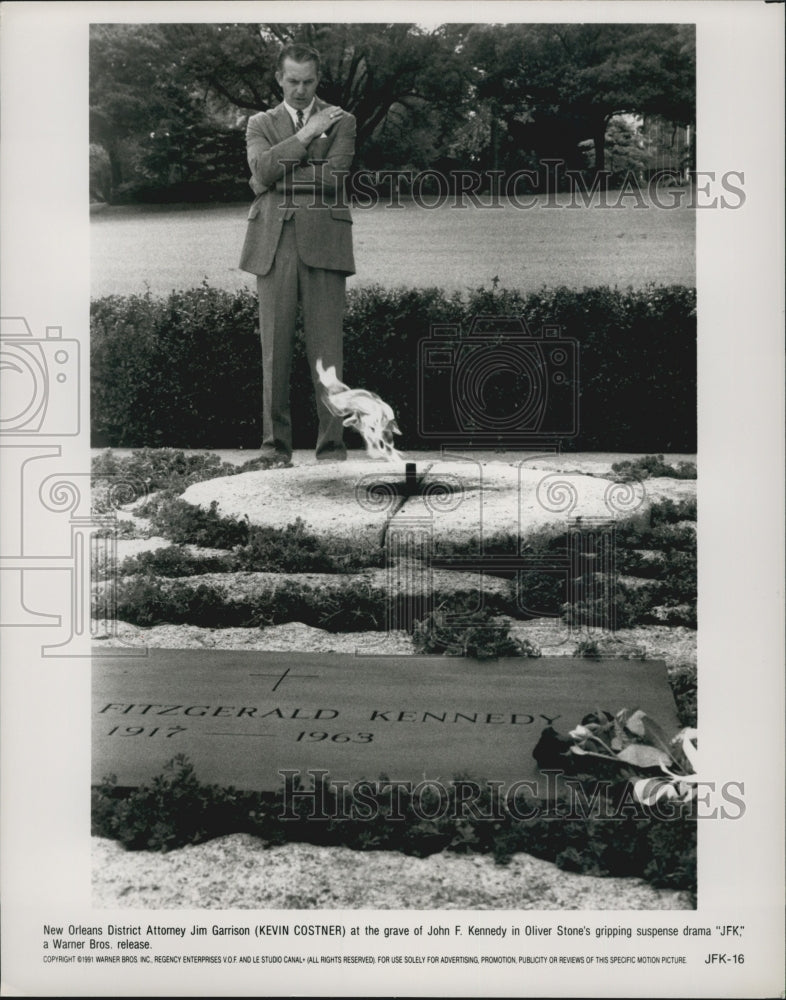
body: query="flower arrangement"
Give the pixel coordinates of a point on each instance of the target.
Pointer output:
(634, 740)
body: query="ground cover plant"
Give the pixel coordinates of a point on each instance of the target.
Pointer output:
(158, 477)
(650, 466)
(661, 556)
(156, 473)
(255, 547)
(174, 561)
(684, 686)
(187, 523)
(160, 468)
(462, 629)
(337, 604)
(176, 808)
(356, 606)
(656, 563)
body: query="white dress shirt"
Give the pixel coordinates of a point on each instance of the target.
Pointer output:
(306, 113)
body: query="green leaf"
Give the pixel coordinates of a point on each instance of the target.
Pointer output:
(635, 723)
(654, 733)
(642, 755)
(590, 753)
(647, 729)
(649, 790)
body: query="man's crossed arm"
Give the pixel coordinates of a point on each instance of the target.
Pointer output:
(309, 160)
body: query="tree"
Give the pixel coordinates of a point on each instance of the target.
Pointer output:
(174, 81)
(157, 122)
(127, 63)
(554, 85)
(169, 102)
(625, 149)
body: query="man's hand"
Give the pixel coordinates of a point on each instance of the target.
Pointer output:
(319, 123)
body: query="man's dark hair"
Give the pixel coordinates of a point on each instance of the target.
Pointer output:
(298, 53)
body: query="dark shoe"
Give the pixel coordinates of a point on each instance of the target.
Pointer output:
(272, 458)
(332, 455)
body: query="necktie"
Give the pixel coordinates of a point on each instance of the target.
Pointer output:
(300, 120)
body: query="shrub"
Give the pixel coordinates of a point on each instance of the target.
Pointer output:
(477, 633)
(679, 576)
(650, 466)
(256, 548)
(189, 524)
(185, 370)
(181, 371)
(173, 561)
(120, 528)
(662, 538)
(671, 538)
(684, 683)
(160, 468)
(295, 550)
(534, 593)
(632, 562)
(588, 649)
(669, 595)
(673, 855)
(669, 512)
(608, 646)
(177, 809)
(355, 607)
(146, 601)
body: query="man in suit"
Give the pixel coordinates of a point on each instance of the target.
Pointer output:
(299, 242)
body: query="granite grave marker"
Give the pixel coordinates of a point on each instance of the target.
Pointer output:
(243, 716)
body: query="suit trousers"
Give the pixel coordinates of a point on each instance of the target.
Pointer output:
(322, 295)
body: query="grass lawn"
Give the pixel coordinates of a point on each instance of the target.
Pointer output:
(177, 246)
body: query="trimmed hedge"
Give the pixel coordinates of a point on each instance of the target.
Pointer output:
(185, 370)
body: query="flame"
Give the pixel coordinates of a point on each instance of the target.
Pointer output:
(363, 411)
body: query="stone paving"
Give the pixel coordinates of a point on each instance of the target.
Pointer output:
(459, 499)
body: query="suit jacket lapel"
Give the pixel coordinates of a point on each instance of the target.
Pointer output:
(284, 124)
(285, 127)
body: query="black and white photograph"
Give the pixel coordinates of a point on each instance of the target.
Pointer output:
(390, 501)
(488, 231)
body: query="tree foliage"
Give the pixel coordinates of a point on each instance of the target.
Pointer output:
(169, 102)
(554, 85)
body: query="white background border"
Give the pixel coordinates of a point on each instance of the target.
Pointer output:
(740, 254)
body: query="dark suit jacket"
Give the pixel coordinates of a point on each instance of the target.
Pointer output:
(311, 192)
